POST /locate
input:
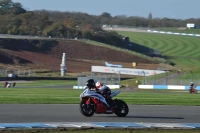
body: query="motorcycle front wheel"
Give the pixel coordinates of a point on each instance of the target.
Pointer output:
(86, 109)
(121, 109)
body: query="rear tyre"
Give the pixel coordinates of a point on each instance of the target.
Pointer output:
(121, 109)
(86, 109)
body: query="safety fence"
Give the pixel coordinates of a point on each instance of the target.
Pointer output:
(14, 73)
(171, 78)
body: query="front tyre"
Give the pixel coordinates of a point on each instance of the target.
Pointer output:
(121, 109)
(86, 109)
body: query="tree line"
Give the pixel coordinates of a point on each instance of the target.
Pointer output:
(14, 19)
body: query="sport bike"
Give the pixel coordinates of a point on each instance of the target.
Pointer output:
(93, 102)
(193, 90)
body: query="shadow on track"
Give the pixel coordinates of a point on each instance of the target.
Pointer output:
(145, 117)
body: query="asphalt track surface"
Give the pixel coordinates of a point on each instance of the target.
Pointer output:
(30, 113)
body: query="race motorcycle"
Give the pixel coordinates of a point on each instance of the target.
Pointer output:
(193, 90)
(92, 102)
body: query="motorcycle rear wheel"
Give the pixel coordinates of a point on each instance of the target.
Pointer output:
(85, 109)
(121, 109)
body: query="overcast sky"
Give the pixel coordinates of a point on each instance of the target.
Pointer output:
(178, 9)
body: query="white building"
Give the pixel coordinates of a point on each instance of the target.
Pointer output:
(190, 25)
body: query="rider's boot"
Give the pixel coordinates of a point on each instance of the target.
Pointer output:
(111, 103)
(107, 105)
(107, 102)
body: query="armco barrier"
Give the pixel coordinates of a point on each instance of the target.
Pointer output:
(166, 87)
(173, 33)
(110, 86)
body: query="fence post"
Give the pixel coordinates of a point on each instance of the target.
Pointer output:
(6, 73)
(179, 77)
(155, 78)
(191, 76)
(119, 78)
(166, 77)
(144, 80)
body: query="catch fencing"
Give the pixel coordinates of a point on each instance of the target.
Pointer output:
(184, 78)
(20, 73)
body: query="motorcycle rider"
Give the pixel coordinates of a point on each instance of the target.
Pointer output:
(192, 88)
(90, 84)
(106, 92)
(192, 85)
(103, 89)
(100, 88)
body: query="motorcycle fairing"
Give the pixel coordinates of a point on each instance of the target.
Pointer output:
(93, 94)
(100, 107)
(115, 93)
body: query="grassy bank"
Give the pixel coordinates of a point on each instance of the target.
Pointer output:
(182, 50)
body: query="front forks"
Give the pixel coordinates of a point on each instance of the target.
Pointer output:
(89, 104)
(88, 101)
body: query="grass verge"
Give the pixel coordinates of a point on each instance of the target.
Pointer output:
(71, 96)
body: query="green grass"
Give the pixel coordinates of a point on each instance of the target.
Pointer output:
(182, 50)
(71, 96)
(26, 93)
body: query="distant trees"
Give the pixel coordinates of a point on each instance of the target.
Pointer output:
(16, 20)
(9, 7)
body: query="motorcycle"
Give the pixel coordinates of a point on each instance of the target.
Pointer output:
(193, 90)
(92, 102)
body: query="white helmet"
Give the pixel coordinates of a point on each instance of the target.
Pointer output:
(98, 85)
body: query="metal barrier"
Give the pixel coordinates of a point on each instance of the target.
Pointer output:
(169, 78)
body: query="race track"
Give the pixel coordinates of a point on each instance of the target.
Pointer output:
(30, 113)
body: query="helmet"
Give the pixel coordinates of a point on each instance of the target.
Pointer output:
(90, 83)
(98, 85)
